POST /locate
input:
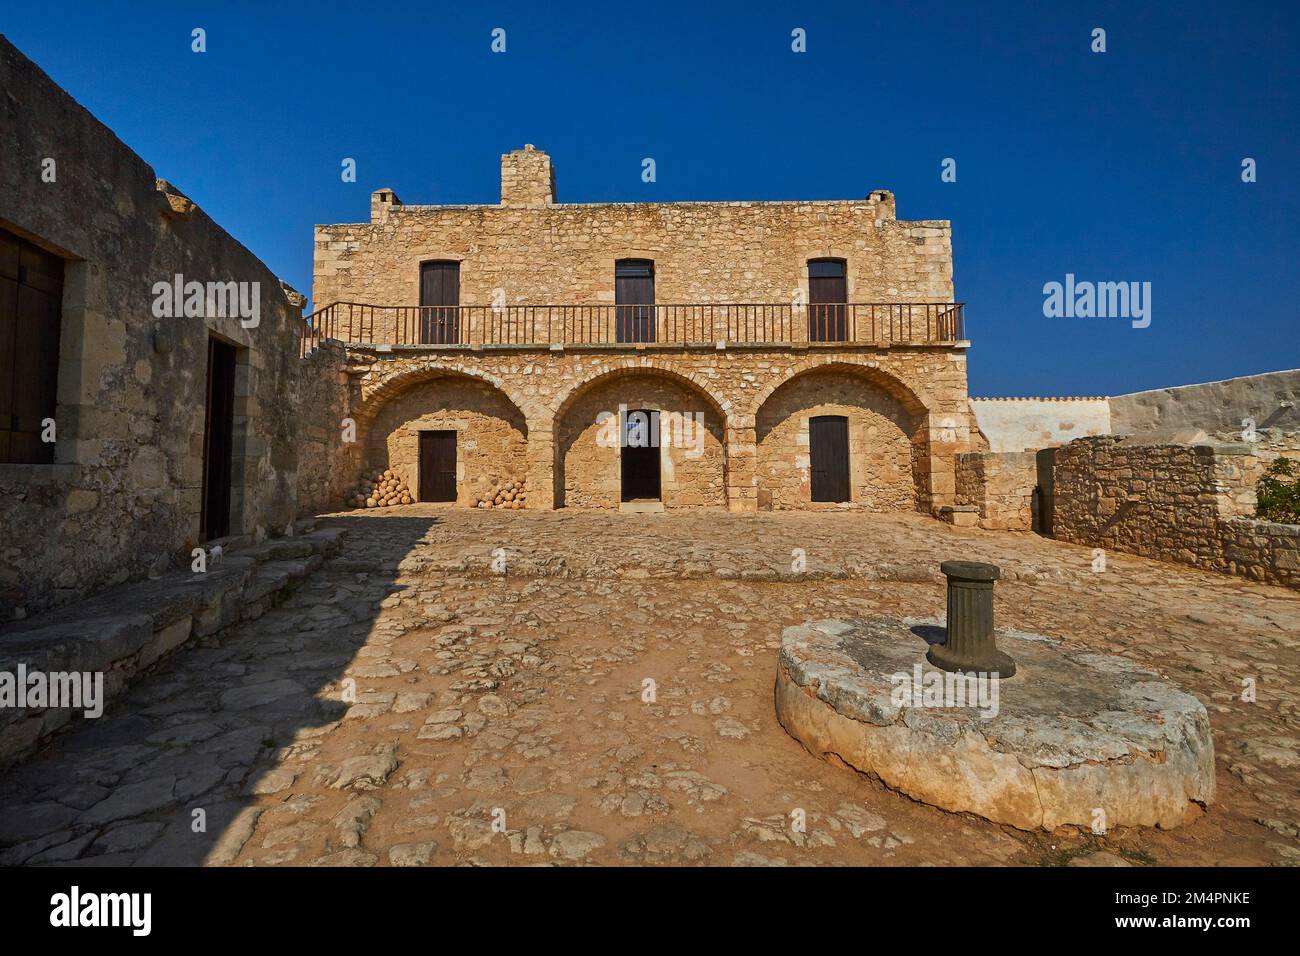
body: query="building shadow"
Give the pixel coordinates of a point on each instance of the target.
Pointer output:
(171, 774)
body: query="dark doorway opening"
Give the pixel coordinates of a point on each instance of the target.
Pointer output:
(828, 293)
(640, 456)
(218, 440)
(828, 454)
(439, 303)
(438, 466)
(31, 314)
(634, 299)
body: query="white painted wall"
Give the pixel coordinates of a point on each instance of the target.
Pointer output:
(1028, 424)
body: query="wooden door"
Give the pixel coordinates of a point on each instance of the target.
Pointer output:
(31, 314)
(218, 441)
(640, 456)
(438, 466)
(828, 291)
(634, 298)
(828, 454)
(440, 301)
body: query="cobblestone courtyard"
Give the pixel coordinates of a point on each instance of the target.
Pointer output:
(519, 698)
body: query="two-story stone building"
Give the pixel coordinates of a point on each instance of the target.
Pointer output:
(780, 354)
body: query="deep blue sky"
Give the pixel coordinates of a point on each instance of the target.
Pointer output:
(1117, 166)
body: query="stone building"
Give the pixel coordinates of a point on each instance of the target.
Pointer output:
(742, 355)
(145, 361)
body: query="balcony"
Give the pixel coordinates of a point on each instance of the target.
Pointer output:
(638, 326)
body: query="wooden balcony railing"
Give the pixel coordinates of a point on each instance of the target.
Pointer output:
(858, 323)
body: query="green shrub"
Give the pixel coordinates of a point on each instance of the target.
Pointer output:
(1278, 492)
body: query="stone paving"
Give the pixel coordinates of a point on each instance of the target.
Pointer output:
(410, 705)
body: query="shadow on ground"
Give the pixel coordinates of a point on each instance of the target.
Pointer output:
(168, 775)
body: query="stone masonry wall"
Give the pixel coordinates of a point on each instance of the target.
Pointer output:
(491, 435)
(1001, 486)
(923, 389)
(880, 443)
(540, 252)
(1190, 504)
(122, 498)
(692, 462)
(328, 465)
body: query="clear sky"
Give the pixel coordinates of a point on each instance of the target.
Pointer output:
(1116, 166)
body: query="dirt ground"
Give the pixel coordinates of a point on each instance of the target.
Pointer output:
(465, 686)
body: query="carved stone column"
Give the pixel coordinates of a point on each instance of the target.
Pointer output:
(970, 647)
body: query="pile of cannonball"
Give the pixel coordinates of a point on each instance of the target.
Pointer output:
(509, 493)
(381, 489)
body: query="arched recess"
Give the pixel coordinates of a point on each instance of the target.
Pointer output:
(491, 429)
(692, 424)
(888, 434)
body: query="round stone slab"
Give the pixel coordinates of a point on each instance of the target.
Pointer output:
(1074, 738)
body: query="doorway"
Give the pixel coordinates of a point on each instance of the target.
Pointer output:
(218, 440)
(439, 303)
(640, 456)
(634, 300)
(828, 293)
(438, 466)
(828, 455)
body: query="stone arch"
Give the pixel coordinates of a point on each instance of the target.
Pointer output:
(603, 373)
(694, 460)
(888, 433)
(881, 378)
(402, 375)
(492, 431)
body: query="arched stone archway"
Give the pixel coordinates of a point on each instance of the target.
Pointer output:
(903, 392)
(491, 430)
(691, 438)
(380, 387)
(884, 442)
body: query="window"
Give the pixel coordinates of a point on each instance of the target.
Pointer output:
(31, 313)
(634, 298)
(827, 294)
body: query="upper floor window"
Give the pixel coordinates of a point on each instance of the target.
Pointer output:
(634, 296)
(31, 313)
(828, 293)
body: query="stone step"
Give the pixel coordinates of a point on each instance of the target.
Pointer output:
(124, 632)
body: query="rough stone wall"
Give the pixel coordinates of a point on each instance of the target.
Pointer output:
(122, 498)
(1212, 406)
(1028, 424)
(328, 465)
(491, 435)
(1001, 486)
(691, 462)
(527, 178)
(539, 252)
(928, 384)
(880, 444)
(1190, 504)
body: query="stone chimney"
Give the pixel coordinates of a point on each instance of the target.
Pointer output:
(527, 178)
(883, 201)
(381, 201)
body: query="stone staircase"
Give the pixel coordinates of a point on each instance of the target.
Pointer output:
(125, 631)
